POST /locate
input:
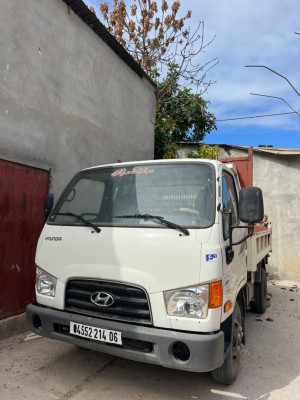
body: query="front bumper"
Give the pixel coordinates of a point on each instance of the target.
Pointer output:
(140, 343)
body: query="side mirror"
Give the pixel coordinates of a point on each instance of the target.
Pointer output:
(48, 205)
(251, 205)
(251, 210)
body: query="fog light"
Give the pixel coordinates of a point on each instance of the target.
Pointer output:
(37, 323)
(181, 351)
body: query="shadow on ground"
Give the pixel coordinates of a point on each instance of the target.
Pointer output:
(42, 368)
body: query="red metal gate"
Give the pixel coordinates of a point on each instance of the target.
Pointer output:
(22, 194)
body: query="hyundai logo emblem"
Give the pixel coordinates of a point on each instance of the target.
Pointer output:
(102, 299)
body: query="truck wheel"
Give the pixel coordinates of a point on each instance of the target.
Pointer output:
(259, 304)
(228, 371)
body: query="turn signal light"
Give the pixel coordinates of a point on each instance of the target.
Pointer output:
(215, 294)
(227, 306)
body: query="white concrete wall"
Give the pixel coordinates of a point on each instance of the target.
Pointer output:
(279, 178)
(67, 101)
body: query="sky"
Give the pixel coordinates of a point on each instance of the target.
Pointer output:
(250, 32)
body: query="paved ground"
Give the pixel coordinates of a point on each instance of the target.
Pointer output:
(37, 368)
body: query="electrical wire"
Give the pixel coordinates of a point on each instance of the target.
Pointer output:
(257, 116)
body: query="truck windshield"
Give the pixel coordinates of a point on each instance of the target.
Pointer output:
(114, 196)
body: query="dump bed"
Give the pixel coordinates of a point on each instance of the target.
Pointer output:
(244, 166)
(259, 244)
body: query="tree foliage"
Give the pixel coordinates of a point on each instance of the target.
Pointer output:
(205, 151)
(181, 117)
(157, 37)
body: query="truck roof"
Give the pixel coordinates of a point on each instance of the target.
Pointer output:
(243, 165)
(147, 162)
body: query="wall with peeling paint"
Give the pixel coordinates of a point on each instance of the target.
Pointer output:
(67, 101)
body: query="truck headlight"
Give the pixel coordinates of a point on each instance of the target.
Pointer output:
(45, 283)
(188, 302)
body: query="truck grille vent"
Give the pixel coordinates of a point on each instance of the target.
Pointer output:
(130, 302)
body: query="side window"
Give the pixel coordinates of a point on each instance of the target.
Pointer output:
(230, 201)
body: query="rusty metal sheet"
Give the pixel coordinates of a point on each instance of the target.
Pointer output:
(22, 194)
(244, 166)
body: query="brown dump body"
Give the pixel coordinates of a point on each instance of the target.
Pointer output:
(244, 166)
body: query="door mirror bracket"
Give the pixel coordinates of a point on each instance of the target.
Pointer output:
(228, 249)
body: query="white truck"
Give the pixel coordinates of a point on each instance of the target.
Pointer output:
(155, 261)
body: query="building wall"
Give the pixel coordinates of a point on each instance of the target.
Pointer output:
(67, 101)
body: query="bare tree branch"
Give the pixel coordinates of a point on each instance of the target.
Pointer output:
(157, 37)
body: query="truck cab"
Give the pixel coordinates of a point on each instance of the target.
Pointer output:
(148, 261)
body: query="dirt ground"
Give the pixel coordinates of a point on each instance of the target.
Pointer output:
(32, 367)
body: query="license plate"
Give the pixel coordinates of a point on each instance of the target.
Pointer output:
(91, 332)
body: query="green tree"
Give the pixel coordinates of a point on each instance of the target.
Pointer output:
(205, 151)
(181, 116)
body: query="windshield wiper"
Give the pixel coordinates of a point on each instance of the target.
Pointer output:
(85, 221)
(163, 221)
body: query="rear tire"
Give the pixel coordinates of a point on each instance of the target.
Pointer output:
(259, 304)
(228, 371)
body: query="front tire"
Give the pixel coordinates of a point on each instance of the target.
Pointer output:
(228, 371)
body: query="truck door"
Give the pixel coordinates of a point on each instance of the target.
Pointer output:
(236, 271)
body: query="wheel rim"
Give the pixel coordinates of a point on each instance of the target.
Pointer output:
(237, 335)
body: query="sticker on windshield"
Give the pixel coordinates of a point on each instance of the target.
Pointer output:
(134, 171)
(211, 257)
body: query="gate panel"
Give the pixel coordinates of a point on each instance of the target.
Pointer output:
(23, 191)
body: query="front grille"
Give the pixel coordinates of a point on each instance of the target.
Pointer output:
(130, 302)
